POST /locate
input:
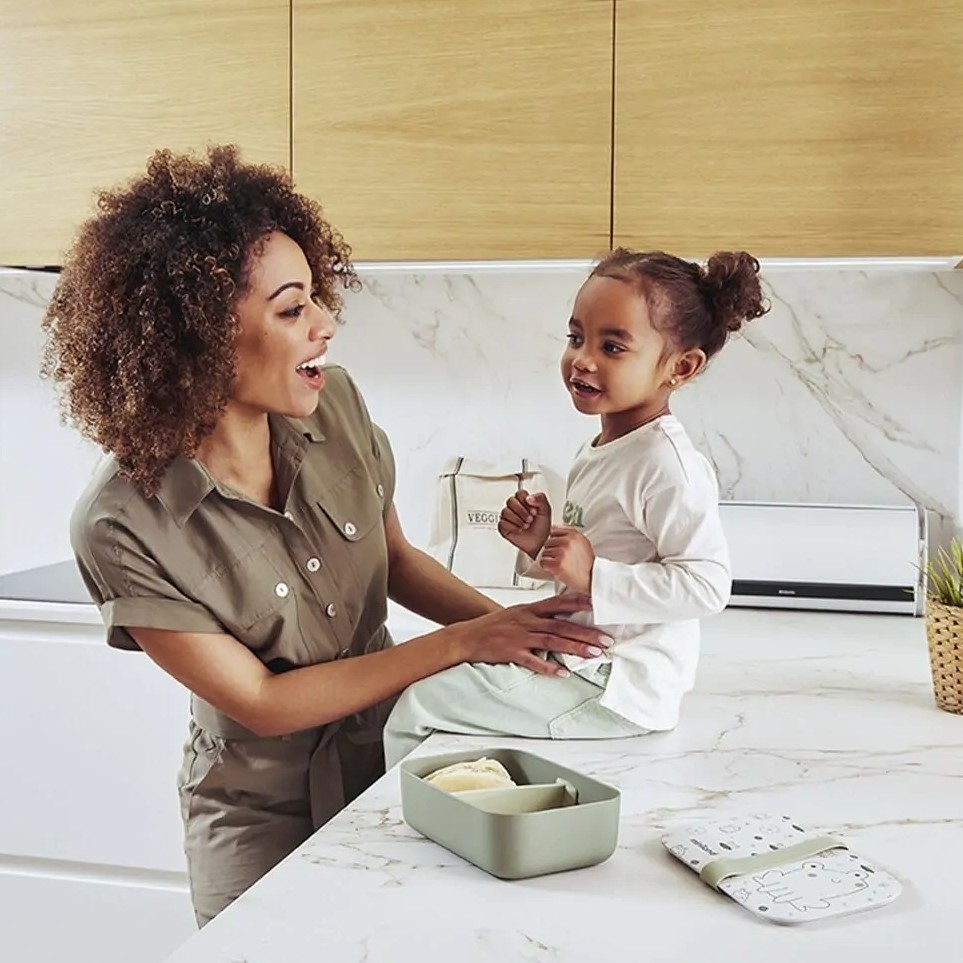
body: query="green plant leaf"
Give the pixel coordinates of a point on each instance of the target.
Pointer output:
(944, 575)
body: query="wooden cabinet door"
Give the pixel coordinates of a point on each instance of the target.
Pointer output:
(442, 130)
(824, 127)
(89, 89)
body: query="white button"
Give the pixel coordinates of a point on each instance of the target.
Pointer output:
(350, 529)
(332, 610)
(281, 590)
(288, 515)
(381, 491)
(312, 564)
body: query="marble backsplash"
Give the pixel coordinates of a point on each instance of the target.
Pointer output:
(850, 390)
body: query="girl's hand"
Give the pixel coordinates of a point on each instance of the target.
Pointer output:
(569, 556)
(525, 521)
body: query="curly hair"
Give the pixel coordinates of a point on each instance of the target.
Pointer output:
(698, 307)
(140, 329)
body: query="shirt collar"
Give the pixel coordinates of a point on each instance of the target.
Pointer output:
(282, 427)
(186, 483)
(184, 486)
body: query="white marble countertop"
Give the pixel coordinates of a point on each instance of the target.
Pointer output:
(826, 717)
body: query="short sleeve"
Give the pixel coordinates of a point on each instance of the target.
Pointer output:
(129, 587)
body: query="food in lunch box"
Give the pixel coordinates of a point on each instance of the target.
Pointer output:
(481, 773)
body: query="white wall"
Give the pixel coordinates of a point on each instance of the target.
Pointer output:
(43, 464)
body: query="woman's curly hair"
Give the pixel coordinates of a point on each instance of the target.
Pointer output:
(140, 331)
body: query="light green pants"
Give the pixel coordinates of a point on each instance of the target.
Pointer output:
(502, 700)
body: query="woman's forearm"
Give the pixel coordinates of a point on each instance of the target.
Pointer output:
(318, 694)
(222, 671)
(427, 588)
(226, 674)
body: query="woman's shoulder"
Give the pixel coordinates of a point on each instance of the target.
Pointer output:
(105, 502)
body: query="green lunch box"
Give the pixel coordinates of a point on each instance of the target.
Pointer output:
(514, 845)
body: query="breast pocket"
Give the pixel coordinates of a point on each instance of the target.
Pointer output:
(355, 506)
(358, 553)
(248, 591)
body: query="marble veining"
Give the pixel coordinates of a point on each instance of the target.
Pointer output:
(825, 717)
(849, 391)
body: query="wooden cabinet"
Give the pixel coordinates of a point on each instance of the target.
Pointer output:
(830, 127)
(439, 129)
(444, 130)
(90, 89)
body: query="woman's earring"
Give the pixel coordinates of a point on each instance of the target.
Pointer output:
(673, 381)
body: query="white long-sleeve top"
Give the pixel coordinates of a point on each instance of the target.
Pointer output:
(649, 504)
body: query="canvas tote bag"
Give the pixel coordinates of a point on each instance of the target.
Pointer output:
(464, 533)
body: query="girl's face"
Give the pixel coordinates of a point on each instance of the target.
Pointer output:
(283, 334)
(617, 364)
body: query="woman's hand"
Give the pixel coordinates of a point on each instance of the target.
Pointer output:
(516, 633)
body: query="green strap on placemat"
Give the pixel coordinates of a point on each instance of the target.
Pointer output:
(717, 870)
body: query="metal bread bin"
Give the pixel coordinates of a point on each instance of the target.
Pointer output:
(514, 846)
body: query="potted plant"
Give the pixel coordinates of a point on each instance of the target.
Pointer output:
(944, 625)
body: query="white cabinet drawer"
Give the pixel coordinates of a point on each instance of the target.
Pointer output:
(51, 920)
(92, 750)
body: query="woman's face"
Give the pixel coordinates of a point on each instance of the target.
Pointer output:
(283, 334)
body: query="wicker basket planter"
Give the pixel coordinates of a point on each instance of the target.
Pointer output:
(944, 636)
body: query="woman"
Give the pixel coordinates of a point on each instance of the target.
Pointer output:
(242, 533)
